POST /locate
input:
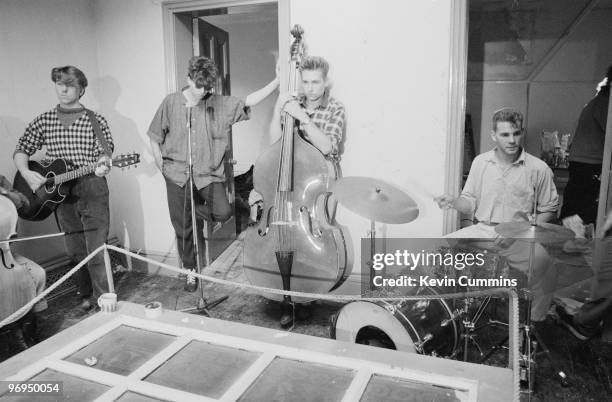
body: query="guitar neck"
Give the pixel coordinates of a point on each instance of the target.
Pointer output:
(75, 174)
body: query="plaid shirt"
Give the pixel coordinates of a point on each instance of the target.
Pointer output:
(76, 144)
(329, 118)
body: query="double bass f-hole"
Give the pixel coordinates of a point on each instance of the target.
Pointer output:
(306, 222)
(264, 231)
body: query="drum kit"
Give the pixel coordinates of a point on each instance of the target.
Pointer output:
(430, 326)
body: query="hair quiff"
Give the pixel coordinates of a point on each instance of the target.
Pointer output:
(310, 63)
(70, 76)
(508, 115)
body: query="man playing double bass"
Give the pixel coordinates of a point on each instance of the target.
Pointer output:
(321, 122)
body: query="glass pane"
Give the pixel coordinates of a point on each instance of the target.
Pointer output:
(390, 389)
(203, 368)
(135, 397)
(122, 350)
(293, 380)
(73, 388)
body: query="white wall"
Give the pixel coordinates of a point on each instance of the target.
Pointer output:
(390, 66)
(36, 36)
(131, 87)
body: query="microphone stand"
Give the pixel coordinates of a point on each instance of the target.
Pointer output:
(203, 305)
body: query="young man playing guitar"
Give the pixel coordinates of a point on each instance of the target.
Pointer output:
(67, 132)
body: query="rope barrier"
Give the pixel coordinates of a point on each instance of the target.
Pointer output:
(51, 288)
(319, 296)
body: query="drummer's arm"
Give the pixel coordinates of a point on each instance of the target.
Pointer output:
(547, 197)
(462, 204)
(466, 202)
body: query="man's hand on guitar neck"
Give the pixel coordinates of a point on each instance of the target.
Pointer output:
(103, 168)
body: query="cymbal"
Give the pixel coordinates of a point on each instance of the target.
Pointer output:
(375, 200)
(540, 233)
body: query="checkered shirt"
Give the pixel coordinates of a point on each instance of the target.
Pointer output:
(329, 118)
(77, 144)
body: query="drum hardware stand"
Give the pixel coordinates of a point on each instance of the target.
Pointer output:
(532, 338)
(419, 345)
(203, 305)
(470, 325)
(372, 234)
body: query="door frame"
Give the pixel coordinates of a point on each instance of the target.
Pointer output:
(172, 7)
(458, 48)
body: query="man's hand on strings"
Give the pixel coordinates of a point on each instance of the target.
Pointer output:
(289, 104)
(103, 167)
(34, 179)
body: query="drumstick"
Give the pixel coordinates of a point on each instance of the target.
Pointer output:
(422, 190)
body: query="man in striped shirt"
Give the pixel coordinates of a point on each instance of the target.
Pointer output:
(67, 133)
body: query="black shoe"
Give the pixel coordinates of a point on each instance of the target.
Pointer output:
(30, 330)
(287, 312)
(303, 312)
(18, 339)
(582, 332)
(191, 282)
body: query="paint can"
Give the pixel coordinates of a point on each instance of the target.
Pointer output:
(153, 309)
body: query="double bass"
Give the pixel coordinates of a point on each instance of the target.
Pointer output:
(296, 245)
(8, 229)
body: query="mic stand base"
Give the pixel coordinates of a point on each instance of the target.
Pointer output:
(203, 307)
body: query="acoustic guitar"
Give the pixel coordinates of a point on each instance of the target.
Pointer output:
(56, 188)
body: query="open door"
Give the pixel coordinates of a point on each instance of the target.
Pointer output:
(213, 42)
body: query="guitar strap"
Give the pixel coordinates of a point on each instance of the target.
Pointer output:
(95, 124)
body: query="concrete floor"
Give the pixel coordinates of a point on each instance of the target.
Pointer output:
(588, 364)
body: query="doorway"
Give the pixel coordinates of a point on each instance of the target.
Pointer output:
(243, 41)
(542, 57)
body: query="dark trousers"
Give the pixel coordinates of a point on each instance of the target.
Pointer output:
(86, 211)
(581, 194)
(211, 204)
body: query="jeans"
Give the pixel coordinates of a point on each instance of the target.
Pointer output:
(581, 194)
(86, 212)
(211, 204)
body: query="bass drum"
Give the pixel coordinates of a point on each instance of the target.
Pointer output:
(416, 326)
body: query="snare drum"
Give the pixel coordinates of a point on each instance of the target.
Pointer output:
(416, 326)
